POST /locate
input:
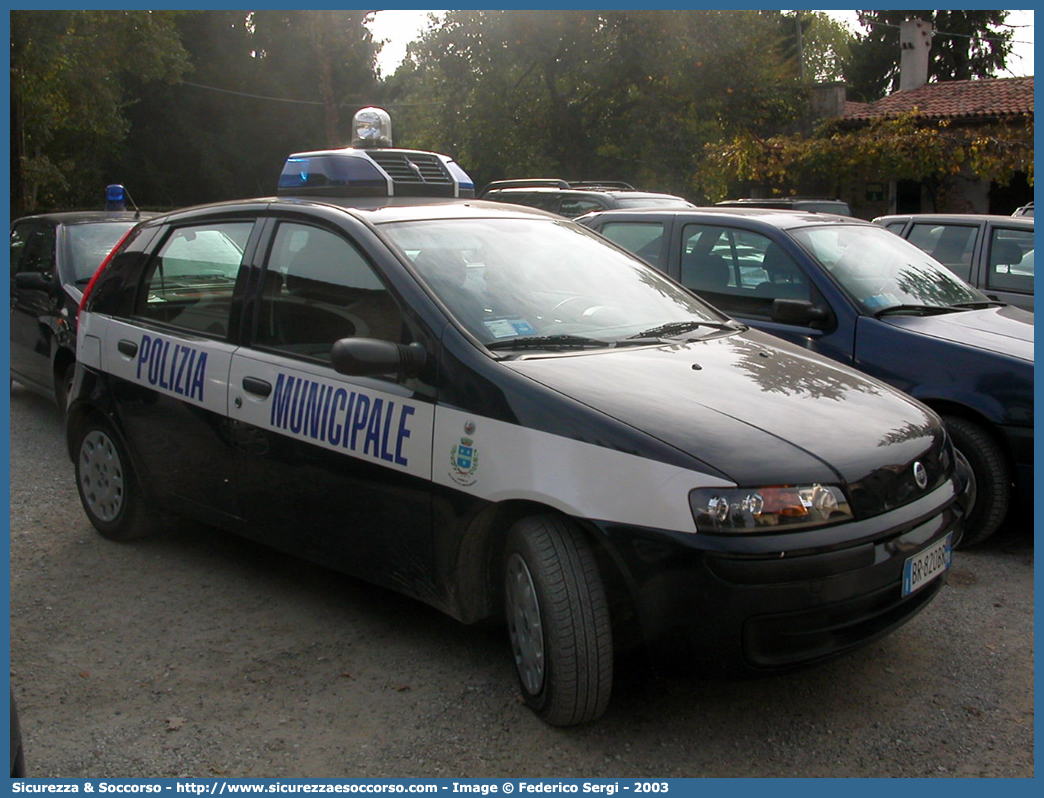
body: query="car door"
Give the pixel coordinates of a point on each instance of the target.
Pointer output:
(169, 361)
(763, 279)
(752, 275)
(1007, 265)
(333, 467)
(34, 294)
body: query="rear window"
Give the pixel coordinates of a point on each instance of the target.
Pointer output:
(88, 244)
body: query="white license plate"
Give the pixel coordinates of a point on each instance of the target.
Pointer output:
(922, 568)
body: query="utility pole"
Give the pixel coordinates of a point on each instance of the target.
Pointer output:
(800, 48)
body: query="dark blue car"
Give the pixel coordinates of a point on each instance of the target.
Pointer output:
(867, 298)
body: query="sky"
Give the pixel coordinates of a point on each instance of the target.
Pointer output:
(400, 27)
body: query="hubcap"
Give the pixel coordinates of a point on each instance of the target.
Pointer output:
(101, 476)
(523, 617)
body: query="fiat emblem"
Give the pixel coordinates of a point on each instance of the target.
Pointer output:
(920, 475)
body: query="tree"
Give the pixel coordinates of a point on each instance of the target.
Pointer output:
(69, 76)
(825, 45)
(586, 94)
(263, 84)
(965, 45)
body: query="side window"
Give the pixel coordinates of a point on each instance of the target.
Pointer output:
(950, 244)
(35, 247)
(896, 227)
(739, 271)
(20, 235)
(1011, 261)
(190, 281)
(576, 206)
(317, 289)
(644, 239)
(546, 202)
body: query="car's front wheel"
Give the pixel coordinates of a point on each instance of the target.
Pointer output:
(558, 621)
(106, 483)
(992, 480)
(63, 386)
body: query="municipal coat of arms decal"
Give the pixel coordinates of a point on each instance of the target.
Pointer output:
(464, 462)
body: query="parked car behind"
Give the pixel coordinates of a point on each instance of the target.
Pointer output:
(53, 257)
(993, 253)
(860, 295)
(1024, 210)
(571, 199)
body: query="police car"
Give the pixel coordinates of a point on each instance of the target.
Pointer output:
(53, 256)
(495, 411)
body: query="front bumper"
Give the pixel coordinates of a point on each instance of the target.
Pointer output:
(756, 604)
(1020, 443)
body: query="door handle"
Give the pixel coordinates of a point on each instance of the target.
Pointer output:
(128, 348)
(257, 387)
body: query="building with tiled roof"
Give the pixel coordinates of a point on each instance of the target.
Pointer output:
(962, 104)
(998, 109)
(957, 100)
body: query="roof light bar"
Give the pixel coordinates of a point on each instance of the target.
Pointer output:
(372, 168)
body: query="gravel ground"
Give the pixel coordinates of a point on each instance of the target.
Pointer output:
(197, 654)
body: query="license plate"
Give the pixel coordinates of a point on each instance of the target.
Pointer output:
(922, 568)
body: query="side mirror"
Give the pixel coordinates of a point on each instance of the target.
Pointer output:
(799, 312)
(34, 281)
(364, 357)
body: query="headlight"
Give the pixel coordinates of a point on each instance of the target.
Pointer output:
(773, 508)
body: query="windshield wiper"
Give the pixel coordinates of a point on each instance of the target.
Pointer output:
(549, 342)
(982, 303)
(672, 328)
(927, 310)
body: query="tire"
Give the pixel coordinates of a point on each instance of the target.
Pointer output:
(105, 480)
(558, 621)
(63, 387)
(992, 479)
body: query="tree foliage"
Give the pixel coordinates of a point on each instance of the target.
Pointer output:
(825, 47)
(179, 106)
(194, 106)
(586, 94)
(908, 147)
(69, 76)
(965, 45)
(263, 84)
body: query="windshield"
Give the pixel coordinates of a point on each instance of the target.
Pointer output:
(550, 282)
(88, 244)
(880, 270)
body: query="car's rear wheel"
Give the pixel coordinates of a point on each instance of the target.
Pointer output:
(107, 485)
(558, 621)
(992, 479)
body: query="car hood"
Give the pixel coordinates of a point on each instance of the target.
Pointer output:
(1007, 330)
(758, 410)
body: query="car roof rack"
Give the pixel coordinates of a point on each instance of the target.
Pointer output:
(525, 183)
(780, 199)
(609, 184)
